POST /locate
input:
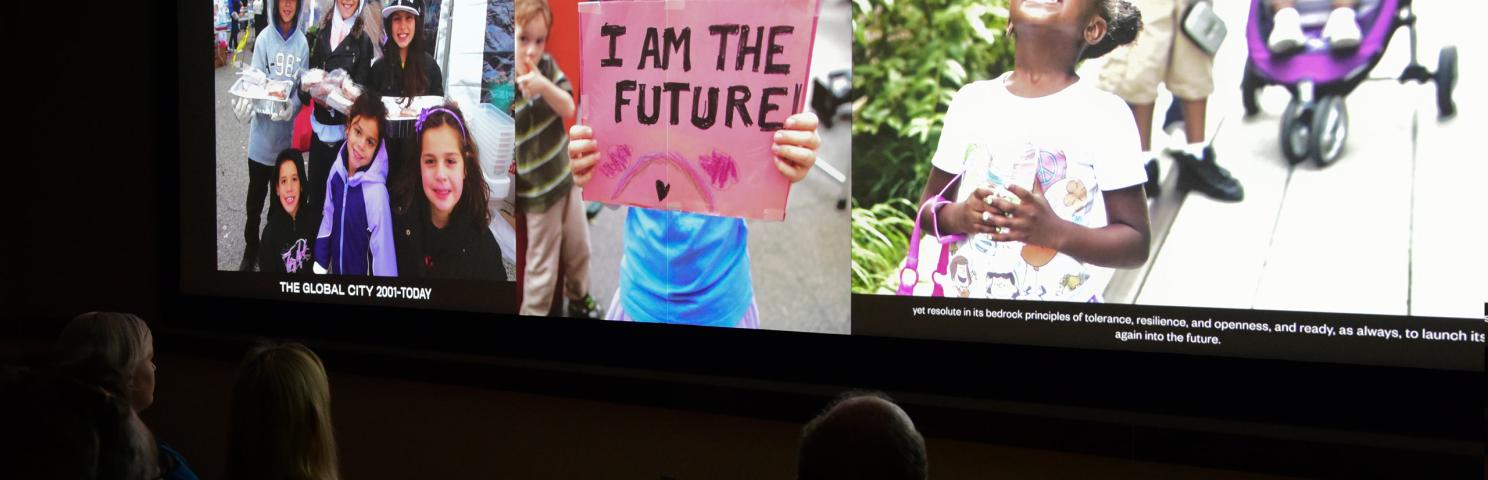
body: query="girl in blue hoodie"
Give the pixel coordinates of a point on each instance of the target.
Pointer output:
(356, 226)
(281, 53)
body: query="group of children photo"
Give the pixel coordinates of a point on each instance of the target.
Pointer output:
(369, 196)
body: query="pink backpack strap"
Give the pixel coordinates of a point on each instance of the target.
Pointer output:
(912, 260)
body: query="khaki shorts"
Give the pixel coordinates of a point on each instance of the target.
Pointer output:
(1160, 54)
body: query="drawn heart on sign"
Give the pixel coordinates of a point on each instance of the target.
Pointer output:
(662, 188)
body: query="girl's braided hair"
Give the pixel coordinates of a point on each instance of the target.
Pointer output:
(1123, 21)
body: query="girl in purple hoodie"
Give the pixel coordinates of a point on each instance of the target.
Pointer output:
(356, 228)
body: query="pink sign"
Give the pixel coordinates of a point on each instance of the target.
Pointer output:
(684, 97)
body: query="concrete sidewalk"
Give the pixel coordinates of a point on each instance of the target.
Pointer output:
(1392, 228)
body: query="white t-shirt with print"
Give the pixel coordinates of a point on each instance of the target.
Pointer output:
(1073, 144)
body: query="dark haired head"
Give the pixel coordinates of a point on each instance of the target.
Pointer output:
(415, 83)
(473, 210)
(294, 20)
(862, 435)
(1123, 22)
(370, 105)
(290, 155)
(331, 12)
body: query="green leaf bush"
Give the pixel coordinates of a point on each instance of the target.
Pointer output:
(909, 59)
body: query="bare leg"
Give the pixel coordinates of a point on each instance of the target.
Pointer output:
(1143, 115)
(1193, 119)
(1278, 5)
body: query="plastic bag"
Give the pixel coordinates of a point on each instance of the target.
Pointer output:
(311, 78)
(253, 77)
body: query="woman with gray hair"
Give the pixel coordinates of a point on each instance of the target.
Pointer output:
(113, 350)
(116, 352)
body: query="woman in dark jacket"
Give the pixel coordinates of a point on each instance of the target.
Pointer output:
(340, 42)
(287, 244)
(407, 71)
(443, 228)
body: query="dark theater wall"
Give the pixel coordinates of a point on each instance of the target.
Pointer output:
(394, 428)
(81, 228)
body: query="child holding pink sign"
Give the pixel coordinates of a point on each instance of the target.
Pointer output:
(1037, 172)
(690, 268)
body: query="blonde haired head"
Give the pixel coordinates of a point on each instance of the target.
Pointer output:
(280, 425)
(107, 349)
(529, 9)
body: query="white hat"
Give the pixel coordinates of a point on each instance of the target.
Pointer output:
(410, 6)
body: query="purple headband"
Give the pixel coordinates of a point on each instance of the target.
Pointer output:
(424, 115)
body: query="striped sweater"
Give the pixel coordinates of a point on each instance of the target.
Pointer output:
(543, 177)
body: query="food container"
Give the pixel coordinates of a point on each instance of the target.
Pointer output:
(401, 119)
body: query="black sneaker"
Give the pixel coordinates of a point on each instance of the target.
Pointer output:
(592, 210)
(1154, 183)
(585, 308)
(1205, 176)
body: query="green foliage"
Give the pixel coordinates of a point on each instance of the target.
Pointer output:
(879, 235)
(909, 59)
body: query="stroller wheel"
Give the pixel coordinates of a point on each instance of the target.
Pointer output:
(1329, 129)
(1446, 80)
(1296, 131)
(1250, 85)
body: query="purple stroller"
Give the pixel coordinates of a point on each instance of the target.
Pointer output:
(1315, 123)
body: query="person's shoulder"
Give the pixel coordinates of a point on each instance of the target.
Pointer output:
(982, 89)
(262, 36)
(1101, 100)
(486, 241)
(406, 229)
(322, 35)
(549, 65)
(381, 64)
(489, 252)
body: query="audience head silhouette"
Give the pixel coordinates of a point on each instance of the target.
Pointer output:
(865, 436)
(280, 426)
(113, 350)
(61, 428)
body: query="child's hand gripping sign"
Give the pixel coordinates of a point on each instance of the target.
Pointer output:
(685, 95)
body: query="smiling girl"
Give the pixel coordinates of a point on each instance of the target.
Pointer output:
(405, 70)
(356, 226)
(1038, 169)
(290, 231)
(341, 42)
(444, 227)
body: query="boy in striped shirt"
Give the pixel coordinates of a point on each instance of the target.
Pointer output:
(557, 228)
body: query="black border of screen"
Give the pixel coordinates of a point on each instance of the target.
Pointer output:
(1409, 403)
